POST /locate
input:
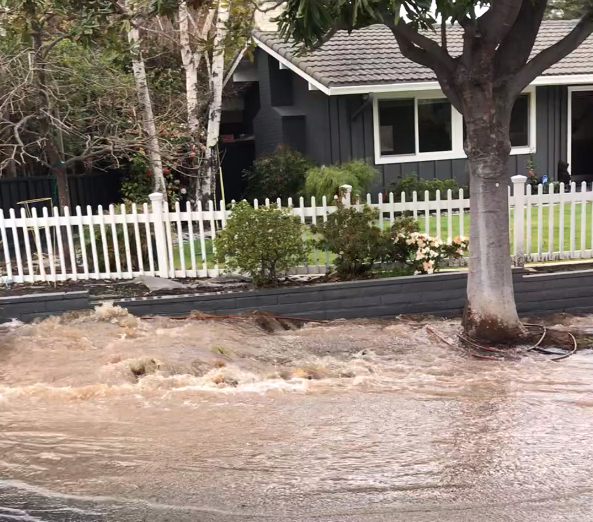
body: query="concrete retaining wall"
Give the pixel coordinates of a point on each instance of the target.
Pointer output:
(29, 307)
(437, 294)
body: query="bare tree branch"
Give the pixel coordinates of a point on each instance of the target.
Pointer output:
(495, 23)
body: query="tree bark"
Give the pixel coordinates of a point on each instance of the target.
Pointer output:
(145, 104)
(191, 70)
(491, 313)
(207, 188)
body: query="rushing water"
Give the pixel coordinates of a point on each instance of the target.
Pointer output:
(106, 417)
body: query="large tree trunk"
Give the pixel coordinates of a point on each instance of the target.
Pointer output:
(491, 312)
(207, 188)
(145, 103)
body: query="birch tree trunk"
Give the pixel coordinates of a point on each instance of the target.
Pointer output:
(190, 64)
(145, 104)
(207, 188)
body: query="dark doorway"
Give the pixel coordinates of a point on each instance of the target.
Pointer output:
(581, 133)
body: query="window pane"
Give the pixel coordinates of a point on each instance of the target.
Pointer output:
(396, 127)
(434, 125)
(519, 132)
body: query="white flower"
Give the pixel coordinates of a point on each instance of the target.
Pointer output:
(430, 271)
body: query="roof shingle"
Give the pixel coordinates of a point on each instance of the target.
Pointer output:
(371, 56)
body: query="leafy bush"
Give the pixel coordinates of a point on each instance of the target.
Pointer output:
(411, 184)
(280, 174)
(353, 237)
(263, 243)
(326, 181)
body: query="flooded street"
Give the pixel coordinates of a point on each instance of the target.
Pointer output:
(106, 417)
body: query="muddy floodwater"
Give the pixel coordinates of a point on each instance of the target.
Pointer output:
(106, 417)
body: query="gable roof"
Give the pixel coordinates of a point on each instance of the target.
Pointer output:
(371, 56)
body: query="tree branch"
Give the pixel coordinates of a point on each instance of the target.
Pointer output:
(548, 57)
(515, 49)
(495, 23)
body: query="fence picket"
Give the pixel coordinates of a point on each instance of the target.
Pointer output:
(128, 252)
(540, 208)
(190, 231)
(104, 244)
(115, 241)
(202, 238)
(38, 246)
(180, 239)
(70, 239)
(461, 214)
(27, 246)
(573, 205)
(415, 205)
(391, 209)
(551, 222)
(82, 239)
(380, 207)
(314, 222)
(213, 234)
(93, 239)
(169, 239)
(324, 206)
(148, 232)
(583, 218)
(17, 246)
(527, 232)
(427, 212)
(50, 247)
(137, 239)
(438, 213)
(561, 221)
(4, 238)
(449, 214)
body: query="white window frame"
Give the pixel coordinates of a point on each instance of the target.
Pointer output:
(456, 151)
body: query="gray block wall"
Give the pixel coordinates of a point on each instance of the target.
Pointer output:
(438, 294)
(28, 307)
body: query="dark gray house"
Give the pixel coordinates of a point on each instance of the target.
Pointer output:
(358, 97)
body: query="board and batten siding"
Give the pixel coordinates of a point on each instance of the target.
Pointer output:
(337, 130)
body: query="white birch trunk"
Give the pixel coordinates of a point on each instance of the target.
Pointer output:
(145, 104)
(190, 64)
(207, 188)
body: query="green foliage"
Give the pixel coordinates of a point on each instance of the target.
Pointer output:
(280, 174)
(326, 181)
(137, 185)
(264, 243)
(411, 184)
(351, 234)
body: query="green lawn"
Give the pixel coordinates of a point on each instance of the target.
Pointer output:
(445, 233)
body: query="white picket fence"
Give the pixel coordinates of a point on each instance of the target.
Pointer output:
(154, 240)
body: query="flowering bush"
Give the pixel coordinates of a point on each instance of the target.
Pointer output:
(425, 253)
(263, 242)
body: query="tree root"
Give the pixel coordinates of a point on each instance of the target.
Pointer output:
(474, 348)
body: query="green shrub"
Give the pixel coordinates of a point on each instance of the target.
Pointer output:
(411, 184)
(263, 243)
(326, 181)
(351, 235)
(280, 174)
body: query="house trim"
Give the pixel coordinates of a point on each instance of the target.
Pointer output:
(457, 151)
(579, 88)
(565, 79)
(289, 65)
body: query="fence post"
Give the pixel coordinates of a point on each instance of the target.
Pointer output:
(156, 200)
(519, 220)
(346, 195)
